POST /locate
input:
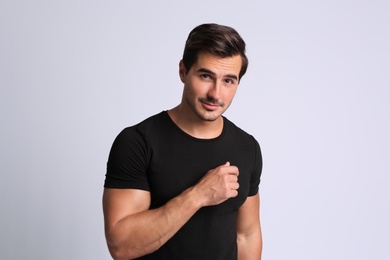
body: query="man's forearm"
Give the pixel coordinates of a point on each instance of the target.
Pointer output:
(144, 232)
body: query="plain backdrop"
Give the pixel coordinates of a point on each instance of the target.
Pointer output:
(316, 95)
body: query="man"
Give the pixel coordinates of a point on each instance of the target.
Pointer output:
(183, 184)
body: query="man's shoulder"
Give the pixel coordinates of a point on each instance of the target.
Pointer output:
(143, 129)
(148, 123)
(234, 130)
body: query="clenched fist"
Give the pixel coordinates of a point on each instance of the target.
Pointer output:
(218, 185)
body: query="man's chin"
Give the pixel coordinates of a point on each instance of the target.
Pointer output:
(210, 116)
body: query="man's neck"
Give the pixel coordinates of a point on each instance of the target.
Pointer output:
(191, 124)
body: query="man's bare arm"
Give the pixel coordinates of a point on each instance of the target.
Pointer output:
(249, 238)
(133, 230)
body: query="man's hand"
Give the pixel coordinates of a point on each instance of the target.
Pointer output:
(218, 185)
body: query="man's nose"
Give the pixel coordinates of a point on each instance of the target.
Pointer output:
(215, 91)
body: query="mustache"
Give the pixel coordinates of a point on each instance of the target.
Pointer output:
(212, 101)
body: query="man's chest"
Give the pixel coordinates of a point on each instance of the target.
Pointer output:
(174, 168)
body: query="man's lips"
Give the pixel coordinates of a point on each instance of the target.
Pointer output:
(211, 105)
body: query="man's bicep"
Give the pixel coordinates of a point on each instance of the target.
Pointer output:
(248, 219)
(120, 203)
(249, 238)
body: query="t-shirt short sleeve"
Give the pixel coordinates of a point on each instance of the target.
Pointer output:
(127, 161)
(257, 169)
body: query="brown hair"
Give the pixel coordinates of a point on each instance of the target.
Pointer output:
(220, 40)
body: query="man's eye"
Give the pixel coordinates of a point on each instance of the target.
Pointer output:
(229, 81)
(205, 76)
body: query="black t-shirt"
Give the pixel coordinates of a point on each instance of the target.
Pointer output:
(157, 156)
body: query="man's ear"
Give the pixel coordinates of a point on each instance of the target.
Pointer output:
(182, 71)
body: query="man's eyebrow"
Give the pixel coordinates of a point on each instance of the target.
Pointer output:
(203, 70)
(232, 76)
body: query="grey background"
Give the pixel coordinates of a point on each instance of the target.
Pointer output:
(74, 73)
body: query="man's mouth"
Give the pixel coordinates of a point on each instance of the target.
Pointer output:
(211, 104)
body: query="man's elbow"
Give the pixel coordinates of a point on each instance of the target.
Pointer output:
(127, 252)
(121, 253)
(118, 253)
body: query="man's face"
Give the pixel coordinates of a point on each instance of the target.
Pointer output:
(210, 84)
